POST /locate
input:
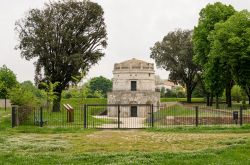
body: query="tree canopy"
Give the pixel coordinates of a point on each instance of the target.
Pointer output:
(7, 81)
(231, 40)
(66, 38)
(209, 17)
(175, 54)
(101, 84)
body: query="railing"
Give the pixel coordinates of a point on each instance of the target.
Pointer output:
(130, 116)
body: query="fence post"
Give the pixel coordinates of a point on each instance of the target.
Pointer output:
(118, 116)
(196, 116)
(41, 116)
(14, 116)
(241, 115)
(152, 115)
(85, 116)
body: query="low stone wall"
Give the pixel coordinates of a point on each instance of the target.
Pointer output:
(202, 120)
(8, 104)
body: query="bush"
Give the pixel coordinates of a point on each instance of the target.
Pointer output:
(67, 95)
(24, 113)
(19, 96)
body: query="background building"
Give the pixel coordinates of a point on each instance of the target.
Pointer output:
(133, 83)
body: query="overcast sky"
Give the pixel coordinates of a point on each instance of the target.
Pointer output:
(133, 27)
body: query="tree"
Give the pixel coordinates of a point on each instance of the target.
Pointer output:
(50, 91)
(175, 53)
(101, 84)
(7, 81)
(214, 78)
(231, 40)
(209, 16)
(66, 38)
(237, 93)
(163, 92)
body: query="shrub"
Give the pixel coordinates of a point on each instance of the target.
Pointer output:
(24, 112)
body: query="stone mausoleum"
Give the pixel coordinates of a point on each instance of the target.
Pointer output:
(133, 84)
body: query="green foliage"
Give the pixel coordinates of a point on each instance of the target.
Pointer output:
(26, 94)
(209, 16)
(50, 90)
(7, 81)
(214, 77)
(231, 40)
(76, 102)
(163, 92)
(99, 86)
(169, 93)
(199, 90)
(237, 93)
(66, 38)
(175, 54)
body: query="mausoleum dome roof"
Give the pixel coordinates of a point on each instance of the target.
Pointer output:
(134, 64)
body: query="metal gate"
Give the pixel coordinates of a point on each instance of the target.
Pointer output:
(118, 116)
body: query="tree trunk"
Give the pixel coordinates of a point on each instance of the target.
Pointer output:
(57, 103)
(189, 95)
(228, 94)
(5, 103)
(249, 99)
(211, 99)
(217, 101)
(208, 98)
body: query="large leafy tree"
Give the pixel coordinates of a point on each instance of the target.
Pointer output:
(65, 38)
(231, 40)
(214, 78)
(7, 81)
(100, 84)
(209, 16)
(175, 53)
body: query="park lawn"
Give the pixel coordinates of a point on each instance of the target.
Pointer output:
(206, 145)
(75, 145)
(175, 110)
(70, 146)
(5, 118)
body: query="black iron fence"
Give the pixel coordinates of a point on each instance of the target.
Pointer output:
(130, 116)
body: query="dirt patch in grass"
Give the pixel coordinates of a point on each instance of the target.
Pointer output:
(120, 141)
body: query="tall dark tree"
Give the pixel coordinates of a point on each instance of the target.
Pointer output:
(175, 53)
(209, 16)
(65, 38)
(7, 81)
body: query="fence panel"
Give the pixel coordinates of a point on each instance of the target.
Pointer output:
(132, 116)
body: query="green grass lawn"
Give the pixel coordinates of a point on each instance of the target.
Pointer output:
(181, 100)
(74, 145)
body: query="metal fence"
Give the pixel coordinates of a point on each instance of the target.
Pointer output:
(130, 116)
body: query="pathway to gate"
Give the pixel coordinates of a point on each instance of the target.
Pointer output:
(125, 122)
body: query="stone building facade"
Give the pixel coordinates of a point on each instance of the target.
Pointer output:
(133, 84)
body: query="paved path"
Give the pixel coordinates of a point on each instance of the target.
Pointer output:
(126, 122)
